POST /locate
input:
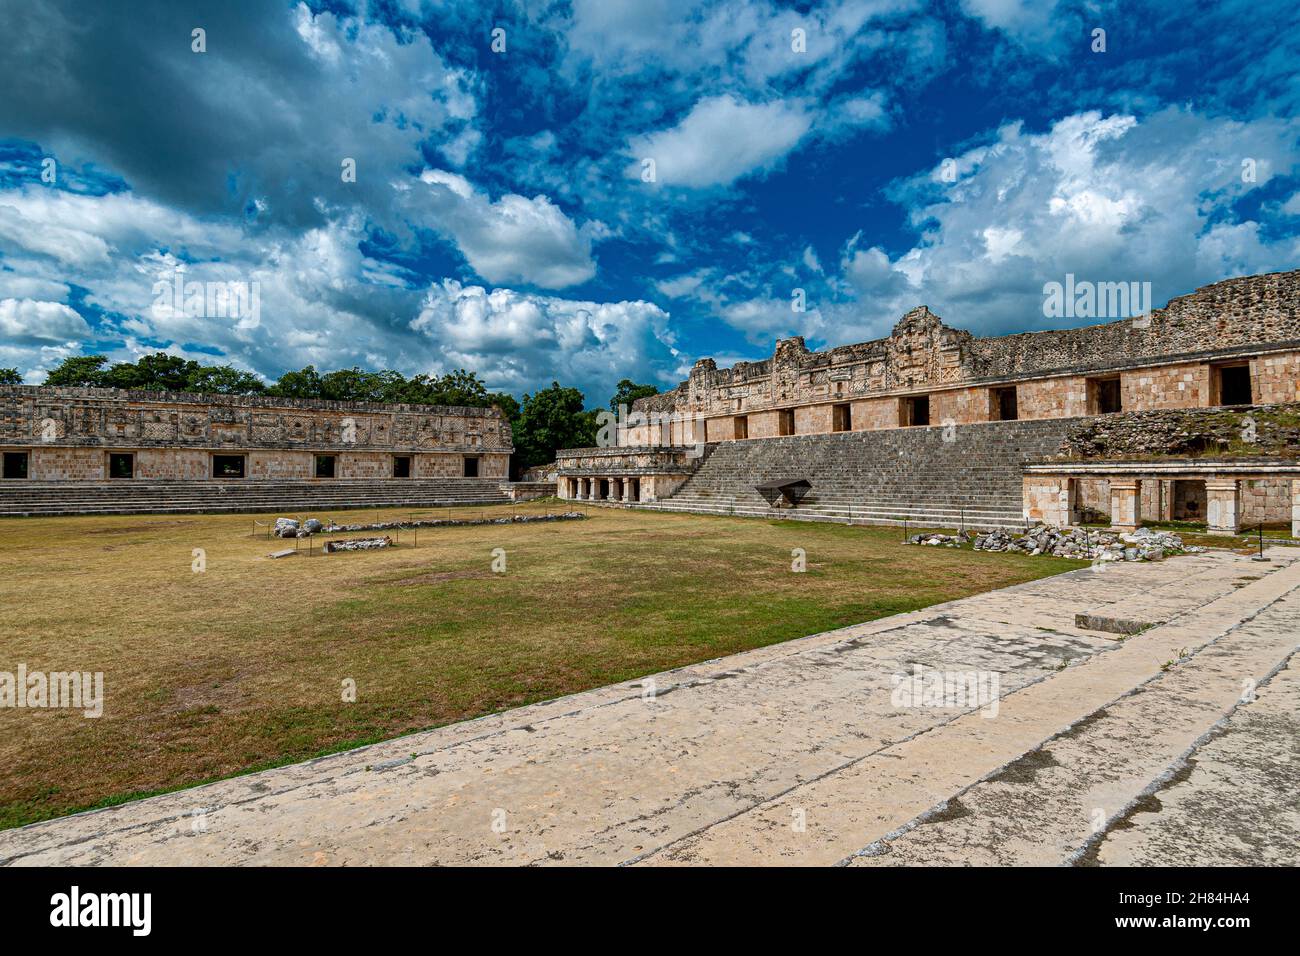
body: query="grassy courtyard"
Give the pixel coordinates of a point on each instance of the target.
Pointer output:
(242, 666)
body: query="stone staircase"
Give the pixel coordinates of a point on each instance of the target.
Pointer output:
(880, 477)
(29, 498)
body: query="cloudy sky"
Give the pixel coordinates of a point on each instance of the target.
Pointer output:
(597, 189)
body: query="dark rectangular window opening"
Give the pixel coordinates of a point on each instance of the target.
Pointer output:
(842, 418)
(742, 426)
(227, 466)
(401, 466)
(785, 421)
(1104, 397)
(121, 465)
(916, 411)
(1006, 405)
(471, 467)
(15, 464)
(325, 466)
(1234, 385)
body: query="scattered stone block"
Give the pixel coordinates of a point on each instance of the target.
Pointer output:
(1112, 625)
(286, 553)
(358, 544)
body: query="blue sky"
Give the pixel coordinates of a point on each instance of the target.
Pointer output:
(501, 220)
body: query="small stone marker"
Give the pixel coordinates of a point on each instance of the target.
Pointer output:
(1112, 625)
(287, 553)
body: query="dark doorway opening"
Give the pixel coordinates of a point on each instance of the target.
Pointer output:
(742, 426)
(1189, 500)
(15, 464)
(121, 465)
(1234, 385)
(842, 418)
(916, 411)
(325, 466)
(471, 467)
(1006, 404)
(1105, 398)
(401, 466)
(227, 466)
(785, 421)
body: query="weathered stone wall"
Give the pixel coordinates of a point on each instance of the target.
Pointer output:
(70, 432)
(1163, 361)
(1267, 430)
(33, 415)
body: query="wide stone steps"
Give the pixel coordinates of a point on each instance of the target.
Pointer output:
(249, 495)
(969, 475)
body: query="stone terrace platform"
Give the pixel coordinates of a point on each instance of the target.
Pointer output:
(798, 753)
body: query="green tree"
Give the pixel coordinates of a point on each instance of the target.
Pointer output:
(628, 392)
(10, 376)
(550, 419)
(158, 372)
(79, 370)
(353, 385)
(224, 380)
(304, 383)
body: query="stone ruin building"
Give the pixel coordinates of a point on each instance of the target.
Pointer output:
(1191, 412)
(934, 424)
(76, 450)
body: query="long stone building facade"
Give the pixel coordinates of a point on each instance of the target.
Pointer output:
(96, 435)
(1235, 343)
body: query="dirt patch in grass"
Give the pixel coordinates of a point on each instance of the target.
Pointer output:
(249, 663)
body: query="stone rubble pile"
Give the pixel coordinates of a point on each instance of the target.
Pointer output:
(1141, 545)
(358, 544)
(290, 528)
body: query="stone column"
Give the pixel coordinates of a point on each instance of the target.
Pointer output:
(580, 486)
(627, 488)
(1295, 507)
(1125, 504)
(615, 489)
(1222, 505)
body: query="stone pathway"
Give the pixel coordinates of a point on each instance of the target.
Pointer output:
(1093, 749)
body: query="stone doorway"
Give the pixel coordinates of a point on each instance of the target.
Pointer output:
(1189, 500)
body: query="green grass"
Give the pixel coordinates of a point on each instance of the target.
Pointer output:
(240, 668)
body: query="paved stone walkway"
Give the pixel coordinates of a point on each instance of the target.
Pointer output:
(1094, 750)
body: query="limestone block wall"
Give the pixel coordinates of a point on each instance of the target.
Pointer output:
(169, 464)
(67, 464)
(1266, 499)
(1276, 378)
(962, 406)
(720, 429)
(764, 425)
(812, 419)
(278, 464)
(1170, 386)
(354, 464)
(1064, 397)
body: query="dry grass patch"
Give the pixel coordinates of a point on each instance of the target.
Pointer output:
(241, 667)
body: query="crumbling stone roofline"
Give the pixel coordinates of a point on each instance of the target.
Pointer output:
(620, 450)
(1247, 315)
(240, 401)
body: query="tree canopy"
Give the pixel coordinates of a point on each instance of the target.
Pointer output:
(628, 392)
